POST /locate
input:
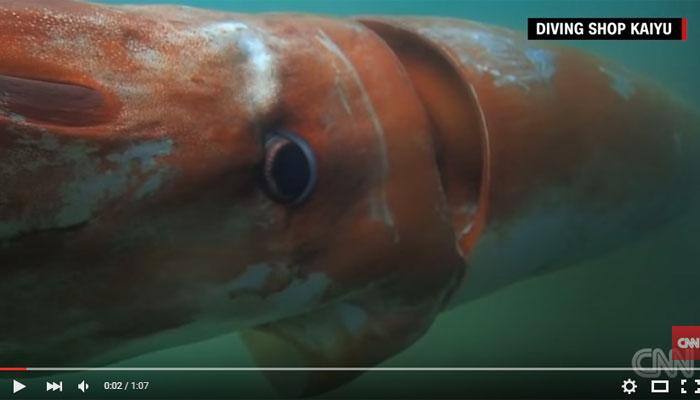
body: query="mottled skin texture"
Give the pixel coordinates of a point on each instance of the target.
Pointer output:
(131, 203)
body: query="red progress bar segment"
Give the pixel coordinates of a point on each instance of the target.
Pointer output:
(13, 369)
(684, 28)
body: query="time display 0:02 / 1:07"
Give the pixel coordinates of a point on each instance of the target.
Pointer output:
(128, 385)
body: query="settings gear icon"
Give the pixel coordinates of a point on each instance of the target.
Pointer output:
(629, 386)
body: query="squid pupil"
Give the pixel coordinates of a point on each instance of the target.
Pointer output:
(290, 168)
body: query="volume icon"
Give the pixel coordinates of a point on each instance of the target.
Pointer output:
(53, 386)
(83, 386)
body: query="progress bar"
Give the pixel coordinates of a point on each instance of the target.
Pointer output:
(340, 369)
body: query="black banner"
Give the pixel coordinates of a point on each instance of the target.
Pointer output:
(607, 28)
(377, 385)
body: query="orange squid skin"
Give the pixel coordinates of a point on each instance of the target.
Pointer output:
(453, 158)
(603, 154)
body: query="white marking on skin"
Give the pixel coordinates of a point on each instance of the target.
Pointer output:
(542, 61)
(619, 82)
(253, 278)
(467, 228)
(152, 184)
(263, 82)
(222, 34)
(507, 60)
(341, 91)
(251, 308)
(147, 57)
(302, 293)
(17, 119)
(88, 186)
(379, 208)
(262, 85)
(473, 209)
(468, 210)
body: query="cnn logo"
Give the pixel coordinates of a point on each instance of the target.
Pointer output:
(686, 342)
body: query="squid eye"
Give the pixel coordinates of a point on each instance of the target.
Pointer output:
(289, 171)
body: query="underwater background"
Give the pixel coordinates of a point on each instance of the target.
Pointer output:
(596, 314)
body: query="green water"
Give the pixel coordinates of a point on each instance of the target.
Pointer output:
(593, 314)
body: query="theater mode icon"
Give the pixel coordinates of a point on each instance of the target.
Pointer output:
(659, 386)
(53, 386)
